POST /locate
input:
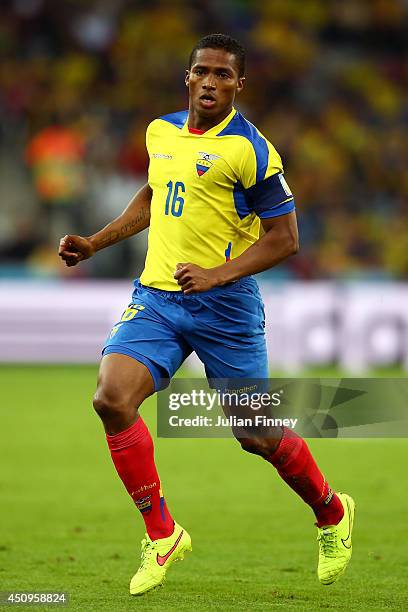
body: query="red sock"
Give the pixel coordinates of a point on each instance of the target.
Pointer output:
(298, 469)
(133, 455)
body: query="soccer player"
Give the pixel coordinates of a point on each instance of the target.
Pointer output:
(213, 180)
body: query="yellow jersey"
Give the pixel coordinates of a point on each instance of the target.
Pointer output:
(209, 192)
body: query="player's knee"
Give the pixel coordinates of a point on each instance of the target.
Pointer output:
(251, 445)
(264, 447)
(109, 405)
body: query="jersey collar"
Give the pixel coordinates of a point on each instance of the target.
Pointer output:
(216, 129)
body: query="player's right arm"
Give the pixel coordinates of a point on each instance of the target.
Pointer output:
(134, 219)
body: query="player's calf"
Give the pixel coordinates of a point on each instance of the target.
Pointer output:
(122, 386)
(294, 463)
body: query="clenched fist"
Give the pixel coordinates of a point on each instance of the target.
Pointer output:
(194, 279)
(73, 249)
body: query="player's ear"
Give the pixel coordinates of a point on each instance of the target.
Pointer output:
(240, 84)
(187, 78)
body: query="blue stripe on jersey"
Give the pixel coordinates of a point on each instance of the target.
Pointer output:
(268, 195)
(178, 119)
(242, 203)
(239, 126)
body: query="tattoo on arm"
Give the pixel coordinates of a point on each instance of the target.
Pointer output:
(107, 240)
(131, 225)
(139, 222)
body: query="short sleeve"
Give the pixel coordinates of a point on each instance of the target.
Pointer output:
(148, 133)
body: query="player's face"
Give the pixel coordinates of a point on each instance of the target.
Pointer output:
(213, 82)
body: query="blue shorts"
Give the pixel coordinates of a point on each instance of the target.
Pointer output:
(225, 326)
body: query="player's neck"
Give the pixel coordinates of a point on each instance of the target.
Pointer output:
(198, 122)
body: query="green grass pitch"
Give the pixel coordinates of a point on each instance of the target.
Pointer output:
(66, 522)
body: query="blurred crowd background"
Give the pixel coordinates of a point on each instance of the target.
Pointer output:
(326, 83)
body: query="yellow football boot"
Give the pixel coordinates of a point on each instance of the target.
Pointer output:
(157, 557)
(335, 544)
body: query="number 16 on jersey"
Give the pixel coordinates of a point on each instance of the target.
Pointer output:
(177, 201)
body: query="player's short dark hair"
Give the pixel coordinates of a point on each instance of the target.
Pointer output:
(221, 41)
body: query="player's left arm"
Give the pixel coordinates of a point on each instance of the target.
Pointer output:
(280, 241)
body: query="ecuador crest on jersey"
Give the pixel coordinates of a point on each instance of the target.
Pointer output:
(205, 162)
